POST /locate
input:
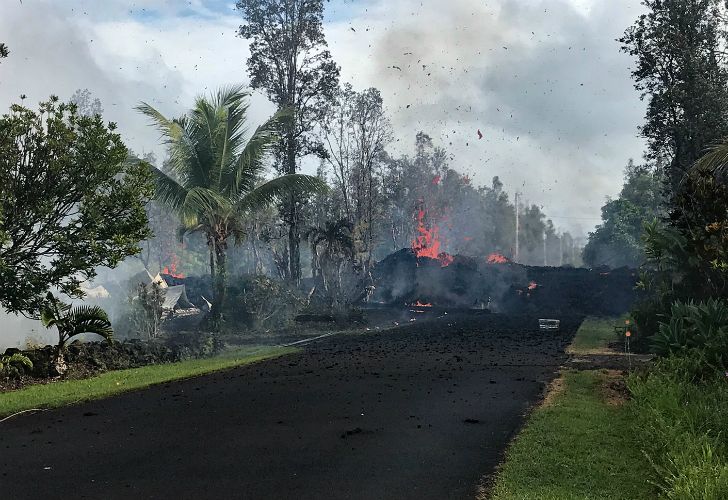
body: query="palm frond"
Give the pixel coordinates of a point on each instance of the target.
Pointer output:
(243, 174)
(715, 160)
(89, 319)
(276, 189)
(169, 191)
(170, 129)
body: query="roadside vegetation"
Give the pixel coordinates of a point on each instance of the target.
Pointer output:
(580, 442)
(53, 395)
(595, 335)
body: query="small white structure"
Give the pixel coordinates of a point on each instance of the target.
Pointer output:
(549, 324)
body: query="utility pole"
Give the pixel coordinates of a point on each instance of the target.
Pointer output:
(544, 248)
(561, 251)
(515, 257)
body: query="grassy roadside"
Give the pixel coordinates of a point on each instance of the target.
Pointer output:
(594, 336)
(115, 382)
(579, 443)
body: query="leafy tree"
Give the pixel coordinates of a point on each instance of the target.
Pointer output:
(86, 104)
(355, 133)
(679, 47)
(147, 309)
(699, 213)
(215, 174)
(71, 322)
(71, 201)
(4, 51)
(331, 246)
(618, 240)
(290, 61)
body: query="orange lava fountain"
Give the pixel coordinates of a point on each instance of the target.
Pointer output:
(427, 242)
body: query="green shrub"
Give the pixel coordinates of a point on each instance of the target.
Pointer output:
(698, 332)
(14, 365)
(262, 302)
(681, 427)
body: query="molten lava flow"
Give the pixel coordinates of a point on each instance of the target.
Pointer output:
(496, 258)
(427, 242)
(171, 269)
(420, 304)
(532, 285)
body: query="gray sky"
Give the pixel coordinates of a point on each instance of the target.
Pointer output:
(543, 80)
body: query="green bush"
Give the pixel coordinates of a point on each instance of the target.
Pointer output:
(262, 302)
(14, 365)
(698, 332)
(681, 427)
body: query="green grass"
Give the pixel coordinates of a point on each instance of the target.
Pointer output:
(594, 335)
(682, 426)
(108, 384)
(576, 447)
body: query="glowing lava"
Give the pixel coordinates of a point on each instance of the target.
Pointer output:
(171, 269)
(532, 285)
(420, 304)
(427, 242)
(496, 258)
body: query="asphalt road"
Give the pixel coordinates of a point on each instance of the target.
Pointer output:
(423, 411)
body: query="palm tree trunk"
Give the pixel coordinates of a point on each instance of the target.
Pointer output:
(220, 279)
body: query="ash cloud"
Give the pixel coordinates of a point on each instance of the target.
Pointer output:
(544, 82)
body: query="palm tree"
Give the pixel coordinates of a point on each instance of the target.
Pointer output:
(215, 173)
(336, 245)
(71, 322)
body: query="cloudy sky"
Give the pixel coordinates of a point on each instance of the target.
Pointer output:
(543, 80)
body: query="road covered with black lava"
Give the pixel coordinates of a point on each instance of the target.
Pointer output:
(421, 411)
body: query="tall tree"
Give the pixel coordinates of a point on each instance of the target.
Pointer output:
(290, 61)
(86, 103)
(355, 132)
(681, 71)
(216, 171)
(71, 201)
(617, 241)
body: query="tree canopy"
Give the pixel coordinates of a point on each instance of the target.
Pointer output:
(681, 71)
(216, 171)
(618, 240)
(290, 61)
(70, 198)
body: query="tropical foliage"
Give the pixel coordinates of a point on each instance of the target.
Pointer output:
(617, 241)
(13, 365)
(216, 171)
(70, 199)
(70, 322)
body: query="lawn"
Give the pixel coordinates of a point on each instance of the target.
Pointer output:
(576, 446)
(594, 335)
(107, 384)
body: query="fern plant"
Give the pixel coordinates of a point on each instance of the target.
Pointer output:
(12, 366)
(71, 322)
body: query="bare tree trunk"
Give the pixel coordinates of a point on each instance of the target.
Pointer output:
(294, 236)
